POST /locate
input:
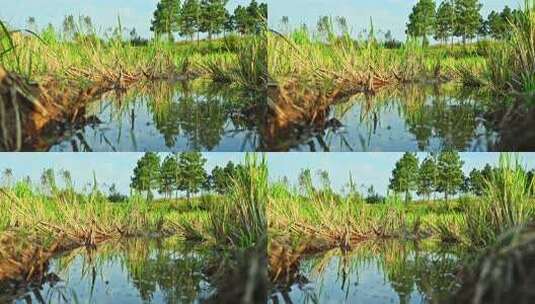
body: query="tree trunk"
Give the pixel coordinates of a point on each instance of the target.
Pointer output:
(446, 196)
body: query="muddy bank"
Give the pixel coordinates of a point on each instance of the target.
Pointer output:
(24, 261)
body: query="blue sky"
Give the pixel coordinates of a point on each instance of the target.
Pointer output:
(366, 168)
(134, 13)
(387, 14)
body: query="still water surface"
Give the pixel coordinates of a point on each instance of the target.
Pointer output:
(198, 116)
(136, 271)
(375, 272)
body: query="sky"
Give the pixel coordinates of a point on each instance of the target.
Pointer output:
(116, 168)
(133, 13)
(386, 14)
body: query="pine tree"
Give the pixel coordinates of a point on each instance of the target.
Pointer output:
(445, 21)
(450, 173)
(147, 174)
(166, 18)
(422, 20)
(168, 174)
(189, 18)
(221, 178)
(213, 16)
(192, 174)
(427, 177)
(468, 17)
(405, 175)
(229, 23)
(240, 19)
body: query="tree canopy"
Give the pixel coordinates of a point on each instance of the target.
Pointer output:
(193, 17)
(405, 175)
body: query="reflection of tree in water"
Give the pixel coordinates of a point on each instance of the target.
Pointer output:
(428, 111)
(170, 265)
(181, 272)
(199, 113)
(172, 268)
(405, 266)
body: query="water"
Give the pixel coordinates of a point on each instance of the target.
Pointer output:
(197, 115)
(412, 118)
(375, 272)
(161, 117)
(138, 271)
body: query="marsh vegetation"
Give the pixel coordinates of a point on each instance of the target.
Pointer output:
(48, 76)
(318, 235)
(489, 59)
(50, 232)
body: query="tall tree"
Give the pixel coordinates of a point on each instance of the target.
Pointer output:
(478, 179)
(192, 174)
(229, 25)
(241, 19)
(221, 178)
(146, 175)
(168, 175)
(166, 18)
(445, 21)
(422, 20)
(213, 16)
(69, 27)
(405, 175)
(468, 18)
(427, 177)
(254, 17)
(450, 173)
(189, 18)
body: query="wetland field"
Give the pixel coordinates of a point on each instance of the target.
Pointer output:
(334, 87)
(473, 245)
(64, 244)
(57, 82)
(206, 228)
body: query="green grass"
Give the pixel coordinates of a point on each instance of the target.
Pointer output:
(240, 219)
(234, 220)
(88, 58)
(331, 61)
(513, 65)
(342, 220)
(303, 57)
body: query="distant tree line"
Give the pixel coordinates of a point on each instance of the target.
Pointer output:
(206, 16)
(182, 172)
(439, 173)
(458, 18)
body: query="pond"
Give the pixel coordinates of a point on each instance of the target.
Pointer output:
(198, 115)
(375, 272)
(156, 116)
(142, 271)
(410, 118)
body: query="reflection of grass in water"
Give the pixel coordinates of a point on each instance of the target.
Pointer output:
(427, 111)
(407, 266)
(198, 110)
(170, 265)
